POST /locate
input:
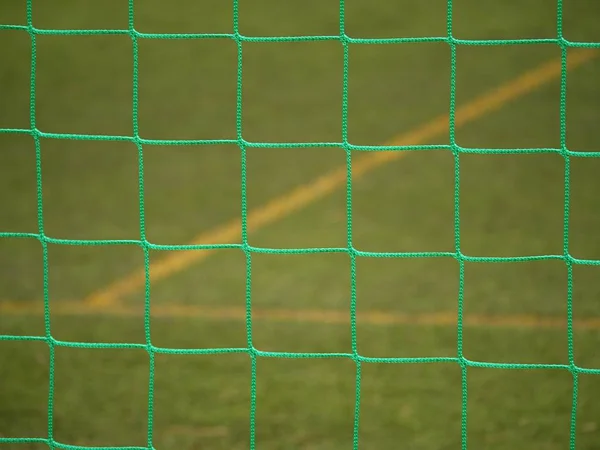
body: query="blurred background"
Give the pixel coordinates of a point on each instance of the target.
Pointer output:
(510, 205)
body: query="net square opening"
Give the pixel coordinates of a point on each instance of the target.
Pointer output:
(24, 389)
(202, 401)
(582, 137)
(183, 16)
(275, 18)
(30, 446)
(588, 411)
(22, 287)
(508, 96)
(292, 91)
(516, 312)
(513, 408)
(13, 13)
(187, 88)
(584, 215)
(296, 197)
(18, 184)
(15, 51)
(192, 194)
(81, 15)
(513, 19)
(406, 204)
(301, 303)
(305, 403)
(384, 19)
(390, 102)
(90, 189)
(406, 307)
(197, 298)
(582, 107)
(84, 84)
(579, 21)
(512, 205)
(96, 293)
(586, 316)
(418, 405)
(110, 385)
(121, 324)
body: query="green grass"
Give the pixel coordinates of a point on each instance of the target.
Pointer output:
(510, 205)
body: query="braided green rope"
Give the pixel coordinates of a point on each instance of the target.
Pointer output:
(346, 41)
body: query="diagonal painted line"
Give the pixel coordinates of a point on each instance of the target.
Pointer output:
(309, 193)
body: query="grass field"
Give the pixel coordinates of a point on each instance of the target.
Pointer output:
(292, 92)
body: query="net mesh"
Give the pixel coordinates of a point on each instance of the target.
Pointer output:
(449, 123)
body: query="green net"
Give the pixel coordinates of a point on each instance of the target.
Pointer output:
(450, 125)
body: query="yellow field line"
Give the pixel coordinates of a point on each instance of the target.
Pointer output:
(305, 316)
(306, 194)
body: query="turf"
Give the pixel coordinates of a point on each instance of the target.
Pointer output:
(510, 205)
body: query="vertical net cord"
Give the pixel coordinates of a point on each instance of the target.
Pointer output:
(461, 262)
(567, 257)
(244, 227)
(143, 240)
(40, 220)
(351, 251)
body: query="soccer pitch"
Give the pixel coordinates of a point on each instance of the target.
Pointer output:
(300, 300)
